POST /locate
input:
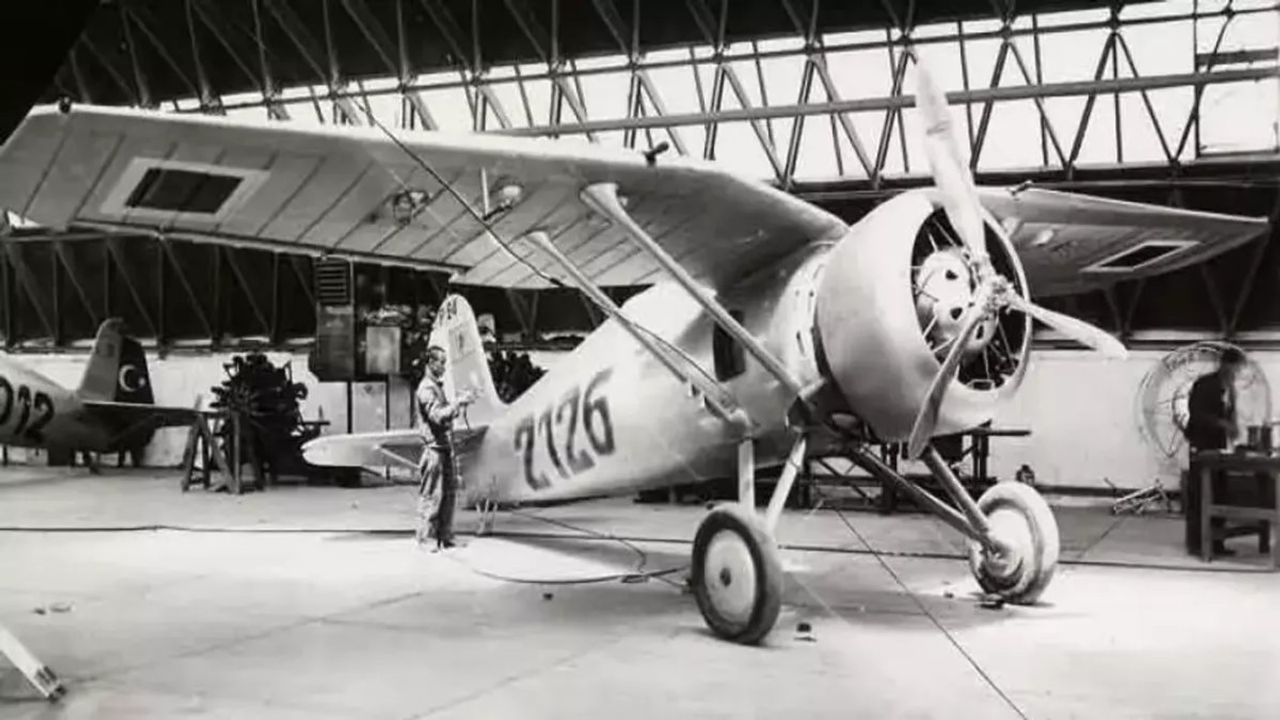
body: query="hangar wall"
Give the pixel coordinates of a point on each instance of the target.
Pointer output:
(1081, 408)
(180, 379)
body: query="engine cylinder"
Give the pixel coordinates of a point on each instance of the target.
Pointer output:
(884, 326)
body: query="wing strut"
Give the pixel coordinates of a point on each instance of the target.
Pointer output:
(603, 199)
(719, 402)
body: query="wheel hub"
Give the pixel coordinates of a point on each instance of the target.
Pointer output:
(1012, 535)
(731, 576)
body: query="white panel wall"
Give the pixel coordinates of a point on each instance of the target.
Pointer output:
(1083, 413)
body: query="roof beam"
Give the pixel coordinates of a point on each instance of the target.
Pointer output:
(308, 47)
(131, 283)
(705, 21)
(31, 285)
(614, 22)
(129, 90)
(1016, 92)
(449, 28)
(172, 258)
(73, 273)
(846, 123)
(374, 33)
(304, 279)
(139, 76)
(538, 37)
(270, 91)
(233, 260)
(228, 36)
(145, 20)
(412, 103)
(82, 86)
(209, 99)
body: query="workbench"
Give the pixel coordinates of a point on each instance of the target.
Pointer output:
(1262, 517)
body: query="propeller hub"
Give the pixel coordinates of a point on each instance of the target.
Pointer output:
(946, 286)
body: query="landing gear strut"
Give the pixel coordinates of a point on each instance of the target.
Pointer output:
(1013, 549)
(737, 572)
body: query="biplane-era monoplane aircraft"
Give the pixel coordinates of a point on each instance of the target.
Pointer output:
(112, 410)
(772, 325)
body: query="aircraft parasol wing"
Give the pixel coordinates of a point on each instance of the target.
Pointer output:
(357, 192)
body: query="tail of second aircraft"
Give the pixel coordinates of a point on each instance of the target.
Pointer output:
(117, 369)
(458, 333)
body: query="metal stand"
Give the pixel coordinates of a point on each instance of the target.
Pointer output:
(36, 672)
(202, 444)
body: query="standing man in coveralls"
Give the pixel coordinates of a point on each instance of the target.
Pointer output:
(1212, 425)
(437, 474)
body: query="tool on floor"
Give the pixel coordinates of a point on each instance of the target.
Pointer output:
(1140, 501)
(39, 674)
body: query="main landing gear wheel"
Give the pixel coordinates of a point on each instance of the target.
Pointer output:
(1022, 521)
(736, 575)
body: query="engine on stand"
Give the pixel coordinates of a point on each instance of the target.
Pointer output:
(263, 425)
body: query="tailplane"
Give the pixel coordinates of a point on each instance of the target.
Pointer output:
(117, 368)
(458, 333)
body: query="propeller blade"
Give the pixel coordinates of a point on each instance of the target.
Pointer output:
(950, 171)
(927, 418)
(1078, 330)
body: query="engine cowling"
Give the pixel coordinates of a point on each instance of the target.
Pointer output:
(889, 304)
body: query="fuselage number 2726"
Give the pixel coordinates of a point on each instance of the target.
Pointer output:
(553, 435)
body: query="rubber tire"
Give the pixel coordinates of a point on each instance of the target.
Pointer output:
(732, 517)
(1039, 562)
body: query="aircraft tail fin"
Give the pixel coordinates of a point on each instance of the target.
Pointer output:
(117, 369)
(457, 331)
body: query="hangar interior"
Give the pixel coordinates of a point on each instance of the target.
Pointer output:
(1175, 106)
(1170, 102)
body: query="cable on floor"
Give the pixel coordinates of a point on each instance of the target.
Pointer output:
(925, 610)
(636, 575)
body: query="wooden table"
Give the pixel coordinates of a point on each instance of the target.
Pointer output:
(1262, 465)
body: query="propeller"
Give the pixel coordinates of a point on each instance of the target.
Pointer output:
(950, 170)
(994, 293)
(927, 418)
(1078, 330)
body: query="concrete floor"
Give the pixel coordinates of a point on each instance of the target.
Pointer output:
(314, 602)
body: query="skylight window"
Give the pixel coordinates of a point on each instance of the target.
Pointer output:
(1140, 256)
